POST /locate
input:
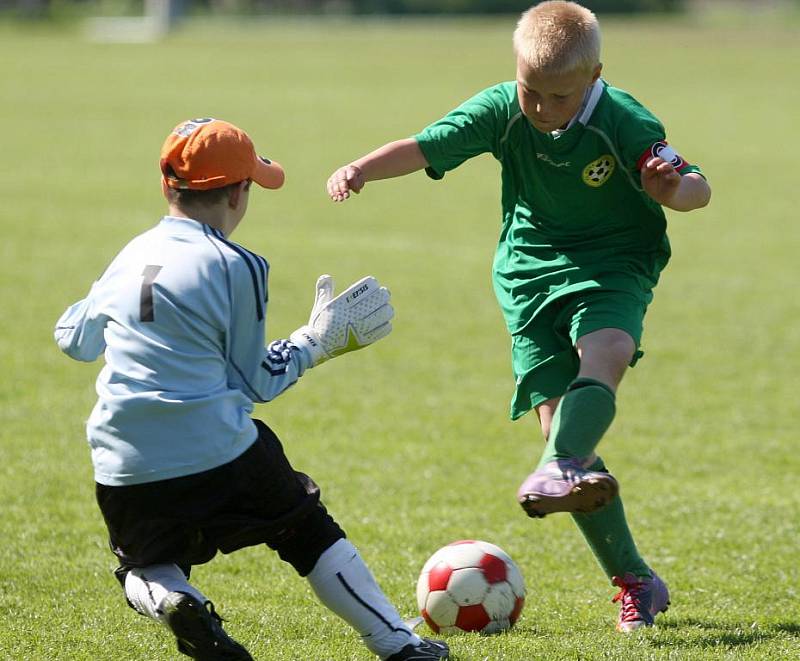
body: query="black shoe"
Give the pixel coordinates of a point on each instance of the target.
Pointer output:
(199, 630)
(428, 650)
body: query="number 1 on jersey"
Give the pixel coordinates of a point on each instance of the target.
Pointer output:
(146, 299)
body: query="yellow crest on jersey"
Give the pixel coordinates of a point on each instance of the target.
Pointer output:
(597, 172)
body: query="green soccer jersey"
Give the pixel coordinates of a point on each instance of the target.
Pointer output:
(575, 215)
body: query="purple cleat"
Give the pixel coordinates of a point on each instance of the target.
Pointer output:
(565, 485)
(642, 599)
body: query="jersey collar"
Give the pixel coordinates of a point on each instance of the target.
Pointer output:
(590, 99)
(181, 223)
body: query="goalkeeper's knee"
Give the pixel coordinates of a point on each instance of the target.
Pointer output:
(303, 544)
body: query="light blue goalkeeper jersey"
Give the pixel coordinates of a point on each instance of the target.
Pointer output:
(180, 315)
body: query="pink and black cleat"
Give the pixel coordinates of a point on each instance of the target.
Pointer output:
(565, 485)
(641, 600)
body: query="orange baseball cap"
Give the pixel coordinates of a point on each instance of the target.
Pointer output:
(202, 154)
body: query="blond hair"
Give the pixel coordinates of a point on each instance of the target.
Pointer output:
(558, 37)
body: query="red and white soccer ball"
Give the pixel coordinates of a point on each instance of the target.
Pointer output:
(470, 586)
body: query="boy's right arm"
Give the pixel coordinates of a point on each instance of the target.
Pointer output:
(79, 331)
(394, 159)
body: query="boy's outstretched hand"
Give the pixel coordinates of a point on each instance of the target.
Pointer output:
(394, 159)
(345, 180)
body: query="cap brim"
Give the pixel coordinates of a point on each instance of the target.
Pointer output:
(268, 174)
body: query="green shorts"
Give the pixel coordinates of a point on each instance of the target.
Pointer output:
(543, 354)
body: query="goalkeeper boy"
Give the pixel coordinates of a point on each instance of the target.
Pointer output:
(585, 171)
(182, 470)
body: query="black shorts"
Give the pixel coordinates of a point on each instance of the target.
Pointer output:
(258, 498)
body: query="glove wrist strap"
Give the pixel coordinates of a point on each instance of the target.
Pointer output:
(307, 338)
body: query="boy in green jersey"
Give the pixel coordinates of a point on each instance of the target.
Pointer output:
(586, 170)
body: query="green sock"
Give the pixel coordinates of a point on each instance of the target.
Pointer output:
(582, 417)
(609, 537)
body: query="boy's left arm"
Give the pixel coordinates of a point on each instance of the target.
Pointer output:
(662, 182)
(357, 317)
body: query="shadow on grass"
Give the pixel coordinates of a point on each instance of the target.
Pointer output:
(728, 634)
(788, 627)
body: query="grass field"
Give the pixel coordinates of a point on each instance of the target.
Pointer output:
(410, 440)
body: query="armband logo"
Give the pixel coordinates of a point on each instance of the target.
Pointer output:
(664, 151)
(599, 171)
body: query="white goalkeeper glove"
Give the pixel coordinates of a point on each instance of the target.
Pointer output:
(358, 316)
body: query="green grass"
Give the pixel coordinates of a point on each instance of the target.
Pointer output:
(410, 439)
